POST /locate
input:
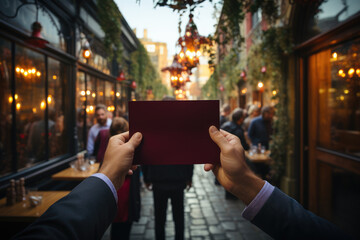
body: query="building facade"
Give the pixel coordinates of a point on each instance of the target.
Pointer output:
(48, 91)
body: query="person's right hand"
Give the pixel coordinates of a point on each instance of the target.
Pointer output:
(232, 172)
(119, 157)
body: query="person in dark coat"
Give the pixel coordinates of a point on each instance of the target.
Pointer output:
(168, 182)
(234, 126)
(225, 112)
(129, 194)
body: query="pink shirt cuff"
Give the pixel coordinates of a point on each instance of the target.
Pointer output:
(108, 182)
(258, 202)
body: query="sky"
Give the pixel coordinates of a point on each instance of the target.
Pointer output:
(162, 22)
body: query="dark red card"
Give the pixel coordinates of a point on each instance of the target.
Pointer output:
(174, 132)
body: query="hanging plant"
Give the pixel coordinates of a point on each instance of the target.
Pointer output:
(110, 22)
(145, 75)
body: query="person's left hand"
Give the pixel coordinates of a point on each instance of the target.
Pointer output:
(119, 157)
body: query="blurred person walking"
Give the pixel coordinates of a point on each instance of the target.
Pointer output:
(128, 207)
(260, 128)
(225, 112)
(103, 122)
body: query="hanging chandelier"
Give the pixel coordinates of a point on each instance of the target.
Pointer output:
(176, 69)
(190, 45)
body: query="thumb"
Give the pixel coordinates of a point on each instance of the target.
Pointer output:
(135, 140)
(217, 137)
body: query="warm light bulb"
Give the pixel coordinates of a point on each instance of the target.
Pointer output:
(33, 71)
(29, 71)
(88, 92)
(25, 74)
(343, 75)
(34, 110)
(181, 79)
(260, 84)
(358, 72)
(16, 96)
(22, 70)
(11, 99)
(93, 95)
(188, 33)
(91, 108)
(82, 93)
(334, 55)
(342, 98)
(18, 106)
(341, 72)
(244, 91)
(176, 78)
(181, 55)
(17, 69)
(346, 91)
(42, 105)
(198, 53)
(38, 74)
(118, 94)
(54, 77)
(86, 53)
(188, 53)
(112, 93)
(351, 72)
(274, 92)
(49, 99)
(101, 93)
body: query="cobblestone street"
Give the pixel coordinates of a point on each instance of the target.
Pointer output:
(208, 215)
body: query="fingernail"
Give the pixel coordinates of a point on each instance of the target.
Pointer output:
(137, 135)
(213, 129)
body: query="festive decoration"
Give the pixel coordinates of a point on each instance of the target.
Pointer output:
(86, 52)
(121, 76)
(176, 70)
(190, 45)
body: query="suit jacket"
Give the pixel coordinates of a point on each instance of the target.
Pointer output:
(85, 213)
(284, 218)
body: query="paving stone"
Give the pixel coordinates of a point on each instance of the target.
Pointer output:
(219, 237)
(216, 230)
(199, 233)
(198, 221)
(228, 225)
(149, 234)
(234, 235)
(212, 221)
(138, 229)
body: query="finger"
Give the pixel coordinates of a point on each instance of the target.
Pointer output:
(121, 138)
(130, 172)
(217, 137)
(134, 167)
(229, 137)
(216, 170)
(135, 139)
(208, 167)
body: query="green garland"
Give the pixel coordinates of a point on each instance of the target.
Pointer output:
(145, 75)
(110, 22)
(276, 45)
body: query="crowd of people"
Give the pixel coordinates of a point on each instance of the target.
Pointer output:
(116, 186)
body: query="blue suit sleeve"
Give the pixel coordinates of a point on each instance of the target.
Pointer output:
(85, 213)
(284, 218)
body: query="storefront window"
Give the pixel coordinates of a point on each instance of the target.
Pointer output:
(80, 110)
(91, 97)
(30, 100)
(109, 96)
(329, 14)
(56, 108)
(337, 72)
(27, 15)
(6, 102)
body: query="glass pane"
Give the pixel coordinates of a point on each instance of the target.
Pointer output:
(100, 91)
(27, 15)
(6, 101)
(110, 96)
(330, 14)
(80, 110)
(56, 108)
(339, 198)
(91, 97)
(339, 99)
(30, 107)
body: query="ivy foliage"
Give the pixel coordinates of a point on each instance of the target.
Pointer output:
(110, 22)
(276, 46)
(225, 74)
(145, 75)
